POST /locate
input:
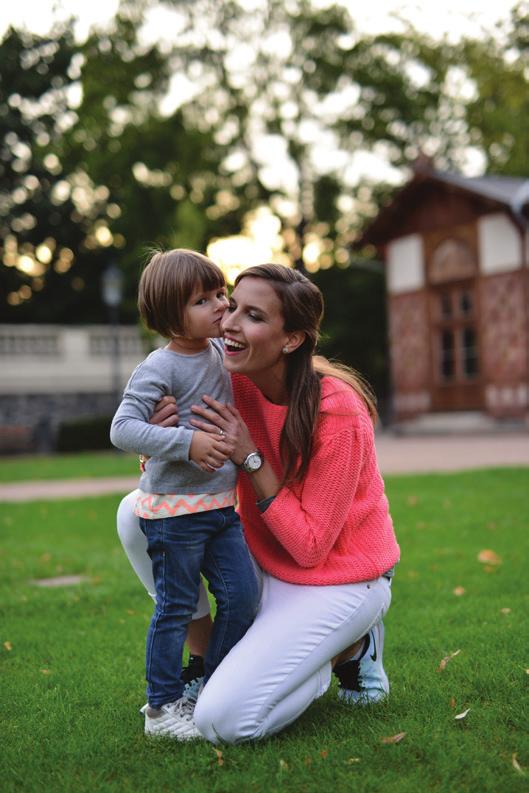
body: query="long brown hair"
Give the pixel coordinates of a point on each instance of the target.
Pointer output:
(302, 308)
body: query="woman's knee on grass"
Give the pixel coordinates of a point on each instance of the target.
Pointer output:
(221, 719)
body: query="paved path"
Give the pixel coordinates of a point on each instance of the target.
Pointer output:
(396, 456)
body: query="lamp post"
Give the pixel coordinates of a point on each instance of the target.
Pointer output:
(112, 288)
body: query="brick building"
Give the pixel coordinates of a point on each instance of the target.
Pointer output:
(456, 252)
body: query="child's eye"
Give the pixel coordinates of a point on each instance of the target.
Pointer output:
(200, 301)
(221, 294)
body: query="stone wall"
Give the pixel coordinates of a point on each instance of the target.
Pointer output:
(50, 374)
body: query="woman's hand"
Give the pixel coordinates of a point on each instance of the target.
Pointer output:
(165, 413)
(227, 419)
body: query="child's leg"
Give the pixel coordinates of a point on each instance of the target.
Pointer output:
(135, 546)
(176, 549)
(232, 578)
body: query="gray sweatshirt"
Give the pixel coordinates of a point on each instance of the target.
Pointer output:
(187, 378)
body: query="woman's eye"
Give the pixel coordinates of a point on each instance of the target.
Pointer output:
(255, 317)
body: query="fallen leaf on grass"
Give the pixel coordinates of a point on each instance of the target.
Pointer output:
(516, 765)
(486, 556)
(45, 671)
(220, 759)
(446, 659)
(459, 591)
(505, 611)
(452, 702)
(352, 760)
(461, 716)
(283, 765)
(393, 738)
(8, 646)
(324, 753)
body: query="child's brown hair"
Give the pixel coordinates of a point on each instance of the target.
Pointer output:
(167, 283)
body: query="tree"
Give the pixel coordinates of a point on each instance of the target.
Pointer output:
(287, 77)
(497, 111)
(279, 104)
(37, 74)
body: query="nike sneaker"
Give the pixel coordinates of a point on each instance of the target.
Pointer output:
(363, 681)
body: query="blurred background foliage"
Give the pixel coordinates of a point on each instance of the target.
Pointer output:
(117, 143)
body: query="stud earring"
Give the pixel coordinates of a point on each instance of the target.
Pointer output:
(286, 350)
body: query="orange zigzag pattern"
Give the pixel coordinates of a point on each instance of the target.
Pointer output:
(145, 507)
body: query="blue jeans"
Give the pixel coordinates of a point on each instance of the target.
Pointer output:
(180, 549)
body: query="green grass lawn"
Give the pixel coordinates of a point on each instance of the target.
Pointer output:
(67, 466)
(72, 660)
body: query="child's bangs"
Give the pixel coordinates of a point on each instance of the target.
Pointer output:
(210, 276)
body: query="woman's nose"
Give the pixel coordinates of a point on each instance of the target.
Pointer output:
(227, 321)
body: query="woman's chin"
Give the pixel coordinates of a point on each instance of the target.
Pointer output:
(233, 362)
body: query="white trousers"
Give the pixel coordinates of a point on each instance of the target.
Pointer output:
(283, 663)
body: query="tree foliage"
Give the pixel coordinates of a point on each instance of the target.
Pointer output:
(114, 144)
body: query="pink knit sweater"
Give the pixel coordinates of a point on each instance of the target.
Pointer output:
(334, 527)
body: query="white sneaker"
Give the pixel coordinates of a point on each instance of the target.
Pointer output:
(172, 720)
(363, 681)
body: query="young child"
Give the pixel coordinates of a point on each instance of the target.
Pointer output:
(187, 491)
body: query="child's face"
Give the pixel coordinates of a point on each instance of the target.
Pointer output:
(203, 313)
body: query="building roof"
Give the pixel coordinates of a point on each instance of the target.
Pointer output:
(504, 189)
(505, 192)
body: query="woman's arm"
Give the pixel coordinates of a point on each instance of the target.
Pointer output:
(308, 518)
(229, 420)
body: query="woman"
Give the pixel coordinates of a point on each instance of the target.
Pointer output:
(316, 518)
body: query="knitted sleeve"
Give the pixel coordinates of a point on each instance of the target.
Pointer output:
(308, 519)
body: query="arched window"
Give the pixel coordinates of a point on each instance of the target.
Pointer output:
(451, 260)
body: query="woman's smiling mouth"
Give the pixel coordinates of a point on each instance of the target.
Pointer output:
(231, 346)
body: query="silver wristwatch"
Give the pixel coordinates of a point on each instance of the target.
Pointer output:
(253, 462)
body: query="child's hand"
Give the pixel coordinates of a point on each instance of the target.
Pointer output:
(209, 450)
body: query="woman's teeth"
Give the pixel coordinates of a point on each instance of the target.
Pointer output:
(233, 345)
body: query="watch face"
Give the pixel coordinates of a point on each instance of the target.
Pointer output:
(253, 462)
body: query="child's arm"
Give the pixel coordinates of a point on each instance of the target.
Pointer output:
(131, 431)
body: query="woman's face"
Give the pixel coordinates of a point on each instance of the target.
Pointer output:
(253, 330)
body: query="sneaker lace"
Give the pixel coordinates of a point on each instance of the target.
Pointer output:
(183, 707)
